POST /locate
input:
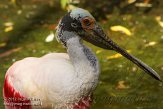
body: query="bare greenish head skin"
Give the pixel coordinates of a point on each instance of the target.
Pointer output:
(78, 13)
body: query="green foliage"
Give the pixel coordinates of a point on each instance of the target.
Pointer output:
(101, 8)
(64, 3)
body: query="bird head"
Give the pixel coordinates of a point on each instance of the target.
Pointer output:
(83, 24)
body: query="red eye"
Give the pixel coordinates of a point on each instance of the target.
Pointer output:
(86, 22)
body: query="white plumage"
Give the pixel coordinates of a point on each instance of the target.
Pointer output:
(53, 78)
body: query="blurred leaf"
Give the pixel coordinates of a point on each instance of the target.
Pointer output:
(161, 68)
(50, 37)
(13, 1)
(19, 12)
(117, 55)
(98, 51)
(122, 85)
(64, 3)
(158, 19)
(134, 69)
(161, 24)
(8, 29)
(131, 1)
(113, 94)
(121, 29)
(2, 44)
(143, 5)
(8, 24)
(150, 44)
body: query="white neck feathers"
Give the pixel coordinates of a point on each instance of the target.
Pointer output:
(82, 58)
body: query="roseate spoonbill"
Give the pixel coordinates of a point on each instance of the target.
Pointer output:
(63, 80)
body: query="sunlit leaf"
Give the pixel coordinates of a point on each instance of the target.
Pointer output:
(13, 1)
(114, 56)
(122, 85)
(161, 37)
(134, 69)
(8, 29)
(130, 1)
(19, 12)
(98, 51)
(161, 24)
(143, 5)
(50, 37)
(121, 29)
(117, 55)
(8, 24)
(160, 84)
(113, 94)
(158, 19)
(64, 3)
(162, 68)
(2, 44)
(150, 44)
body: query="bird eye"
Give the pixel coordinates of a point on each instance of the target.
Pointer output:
(86, 22)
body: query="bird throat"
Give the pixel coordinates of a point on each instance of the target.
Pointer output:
(83, 59)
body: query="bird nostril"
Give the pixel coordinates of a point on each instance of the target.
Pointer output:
(74, 25)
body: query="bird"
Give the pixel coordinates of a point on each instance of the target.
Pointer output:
(63, 80)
